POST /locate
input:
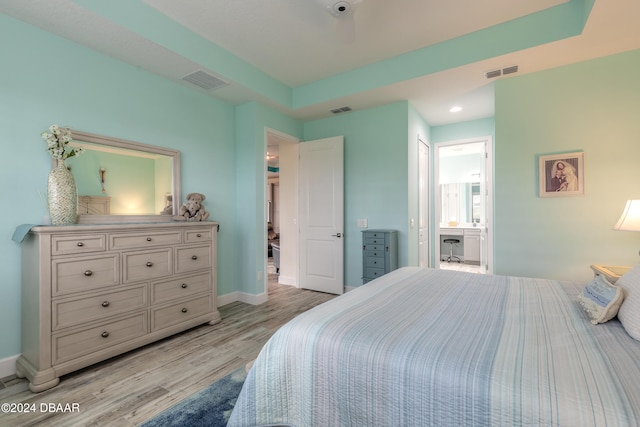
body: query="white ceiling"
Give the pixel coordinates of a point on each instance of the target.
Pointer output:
(296, 42)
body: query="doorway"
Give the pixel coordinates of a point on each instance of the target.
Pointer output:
(463, 214)
(281, 196)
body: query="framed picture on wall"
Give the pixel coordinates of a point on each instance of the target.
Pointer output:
(561, 174)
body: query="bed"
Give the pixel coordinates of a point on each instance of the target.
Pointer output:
(426, 347)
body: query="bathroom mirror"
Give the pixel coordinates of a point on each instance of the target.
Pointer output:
(136, 182)
(460, 203)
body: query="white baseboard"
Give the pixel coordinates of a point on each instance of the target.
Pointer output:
(242, 297)
(8, 366)
(285, 280)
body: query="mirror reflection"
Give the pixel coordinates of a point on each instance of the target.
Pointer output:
(459, 177)
(460, 202)
(117, 177)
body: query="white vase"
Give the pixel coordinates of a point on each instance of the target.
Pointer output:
(63, 196)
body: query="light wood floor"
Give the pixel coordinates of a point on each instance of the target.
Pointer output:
(132, 388)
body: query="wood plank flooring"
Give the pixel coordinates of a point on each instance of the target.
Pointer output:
(132, 388)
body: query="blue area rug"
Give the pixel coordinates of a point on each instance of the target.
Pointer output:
(210, 407)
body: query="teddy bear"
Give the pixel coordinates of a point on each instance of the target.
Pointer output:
(192, 209)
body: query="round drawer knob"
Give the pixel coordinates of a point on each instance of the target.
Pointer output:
(184, 310)
(80, 244)
(198, 235)
(105, 334)
(183, 286)
(149, 264)
(194, 257)
(149, 239)
(105, 304)
(88, 273)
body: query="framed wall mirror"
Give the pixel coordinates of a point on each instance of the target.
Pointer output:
(124, 181)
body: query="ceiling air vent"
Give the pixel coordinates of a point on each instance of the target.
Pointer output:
(494, 73)
(340, 110)
(510, 70)
(497, 73)
(204, 80)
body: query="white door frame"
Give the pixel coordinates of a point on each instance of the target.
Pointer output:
(424, 259)
(288, 223)
(488, 140)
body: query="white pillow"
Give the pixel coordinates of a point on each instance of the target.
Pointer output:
(629, 314)
(601, 300)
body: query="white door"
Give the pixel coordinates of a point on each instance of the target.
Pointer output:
(486, 210)
(423, 204)
(321, 177)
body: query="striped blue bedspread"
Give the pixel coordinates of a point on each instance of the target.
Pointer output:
(424, 347)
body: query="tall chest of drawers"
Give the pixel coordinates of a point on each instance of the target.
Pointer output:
(91, 292)
(379, 253)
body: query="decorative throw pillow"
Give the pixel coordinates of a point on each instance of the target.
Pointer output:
(629, 314)
(601, 300)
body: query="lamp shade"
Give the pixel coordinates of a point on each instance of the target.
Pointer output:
(630, 218)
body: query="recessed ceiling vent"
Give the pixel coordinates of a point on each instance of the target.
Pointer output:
(510, 70)
(497, 73)
(340, 110)
(204, 80)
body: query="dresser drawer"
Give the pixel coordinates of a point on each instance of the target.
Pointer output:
(378, 250)
(180, 312)
(374, 234)
(80, 310)
(372, 273)
(372, 240)
(374, 262)
(190, 258)
(195, 236)
(78, 244)
(374, 250)
(144, 240)
(75, 344)
(146, 265)
(174, 289)
(82, 274)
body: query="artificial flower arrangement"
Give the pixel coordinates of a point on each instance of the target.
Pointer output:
(57, 139)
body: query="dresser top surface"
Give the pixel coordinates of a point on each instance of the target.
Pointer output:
(40, 229)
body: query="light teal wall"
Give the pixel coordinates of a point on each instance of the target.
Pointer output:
(375, 180)
(593, 107)
(45, 79)
(463, 130)
(251, 121)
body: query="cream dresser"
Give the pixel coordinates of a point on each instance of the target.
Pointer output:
(91, 292)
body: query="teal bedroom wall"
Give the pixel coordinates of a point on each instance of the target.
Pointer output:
(45, 79)
(375, 175)
(463, 130)
(591, 107)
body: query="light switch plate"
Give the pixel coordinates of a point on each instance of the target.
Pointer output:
(362, 223)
